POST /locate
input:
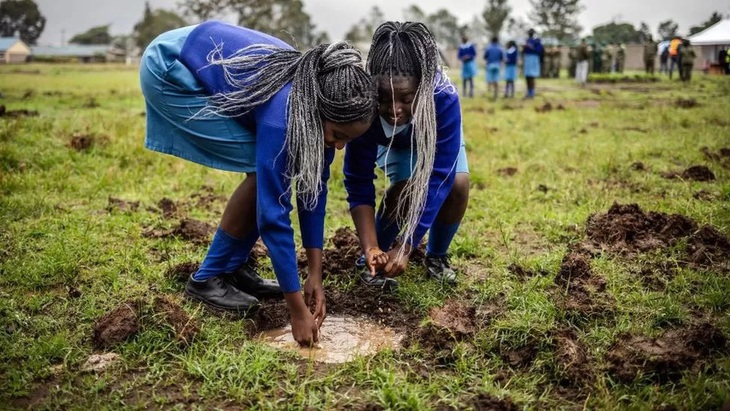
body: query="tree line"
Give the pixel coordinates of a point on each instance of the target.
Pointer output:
(287, 20)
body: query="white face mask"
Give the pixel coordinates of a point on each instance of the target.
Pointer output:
(389, 130)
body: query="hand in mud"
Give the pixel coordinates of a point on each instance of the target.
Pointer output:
(396, 265)
(303, 328)
(375, 259)
(314, 297)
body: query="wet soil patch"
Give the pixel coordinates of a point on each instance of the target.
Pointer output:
(121, 205)
(181, 272)
(572, 364)
(339, 257)
(189, 229)
(507, 171)
(663, 358)
(133, 316)
(686, 103)
(4, 112)
(694, 173)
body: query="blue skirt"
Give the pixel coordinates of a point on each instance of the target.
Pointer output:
(532, 65)
(510, 72)
(493, 72)
(469, 69)
(175, 122)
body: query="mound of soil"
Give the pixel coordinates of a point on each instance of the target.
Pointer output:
(507, 171)
(189, 229)
(4, 112)
(168, 207)
(181, 272)
(584, 293)
(121, 205)
(704, 195)
(686, 103)
(132, 316)
(638, 166)
(485, 402)
(627, 229)
(694, 173)
(545, 108)
(524, 273)
(708, 247)
(664, 358)
(455, 317)
(339, 259)
(82, 142)
(571, 360)
(522, 356)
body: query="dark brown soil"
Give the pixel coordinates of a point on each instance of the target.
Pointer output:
(638, 166)
(573, 367)
(522, 356)
(664, 358)
(708, 247)
(174, 316)
(524, 273)
(694, 173)
(118, 325)
(686, 103)
(74, 292)
(259, 252)
(168, 207)
(194, 231)
(581, 294)
(545, 108)
(16, 113)
(181, 272)
(208, 200)
(455, 317)
(507, 171)
(272, 315)
(339, 258)
(485, 402)
(91, 103)
(704, 195)
(82, 142)
(121, 205)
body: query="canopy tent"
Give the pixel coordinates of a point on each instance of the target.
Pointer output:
(716, 35)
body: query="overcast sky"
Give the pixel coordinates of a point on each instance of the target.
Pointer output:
(337, 16)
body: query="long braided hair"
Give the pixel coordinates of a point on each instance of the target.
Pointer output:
(409, 49)
(328, 82)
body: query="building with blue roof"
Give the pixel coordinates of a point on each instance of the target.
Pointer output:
(13, 50)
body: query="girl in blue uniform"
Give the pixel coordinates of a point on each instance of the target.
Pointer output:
(510, 69)
(239, 100)
(467, 55)
(493, 55)
(417, 140)
(532, 51)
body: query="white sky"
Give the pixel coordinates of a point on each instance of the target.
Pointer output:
(337, 16)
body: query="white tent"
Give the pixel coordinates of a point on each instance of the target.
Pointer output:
(711, 40)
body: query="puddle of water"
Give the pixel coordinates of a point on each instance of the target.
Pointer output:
(341, 339)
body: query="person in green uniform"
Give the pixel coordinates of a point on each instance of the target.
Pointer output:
(557, 56)
(607, 58)
(582, 55)
(620, 58)
(687, 58)
(597, 55)
(650, 53)
(572, 61)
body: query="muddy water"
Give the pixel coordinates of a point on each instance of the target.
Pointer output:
(341, 339)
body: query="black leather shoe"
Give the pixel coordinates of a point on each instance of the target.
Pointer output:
(217, 293)
(248, 280)
(439, 269)
(379, 280)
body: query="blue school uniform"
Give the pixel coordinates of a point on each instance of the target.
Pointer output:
(532, 52)
(177, 80)
(493, 56)
(467, 53)
(371, 149)
(510, 64)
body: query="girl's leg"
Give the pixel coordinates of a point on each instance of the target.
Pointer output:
(449, 217)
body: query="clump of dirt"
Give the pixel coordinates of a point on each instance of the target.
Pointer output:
(704, 195)
(208, 200)
(271, 315)
(573, 367)
(485, 402)
(664, 358)
(708, 247)
(181, 272)
(118, 325)
(82, 142)
(584, 293)
(455, 317)
(545, 108)
(4, 112)
(543, 188)
(686, 103)
(167, 206)
(507, 171)
(638, 166)
(189, 229)
(135, 315)
(339, 259)
(694, 173)
(524, 273)
(627, 229)
(121, 205)
(574, 267)
(522, 356)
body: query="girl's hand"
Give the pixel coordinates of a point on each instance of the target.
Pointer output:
(315, 299)
(397, 265)
(375, 259)
(303, 328)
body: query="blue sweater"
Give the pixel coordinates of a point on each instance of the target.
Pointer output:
(269, 120)
(533, 46)
(361, 154)
(467, 50)
(493, 54)
(511, 59)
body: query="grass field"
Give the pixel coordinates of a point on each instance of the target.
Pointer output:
(565, 301)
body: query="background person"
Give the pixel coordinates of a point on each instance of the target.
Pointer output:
(467, 55)
(532, 52)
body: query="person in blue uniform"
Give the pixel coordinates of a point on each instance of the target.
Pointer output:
(510, 69)
(467, 55)
(494, 56)
(238, 100)
(417, 140)
(531, 53)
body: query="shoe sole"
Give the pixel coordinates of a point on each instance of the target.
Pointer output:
(250, 310)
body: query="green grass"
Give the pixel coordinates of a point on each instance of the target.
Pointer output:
(55, 233)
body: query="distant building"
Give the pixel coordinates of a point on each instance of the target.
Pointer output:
(13, 50)
(76, 53)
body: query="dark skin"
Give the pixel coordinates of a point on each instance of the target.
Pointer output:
(307, 310)
(395, 106)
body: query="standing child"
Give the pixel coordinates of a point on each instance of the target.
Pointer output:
(493, 55)
(510, 69)
(532, 53)
(279, 115)
(467, 56)
(417, 140)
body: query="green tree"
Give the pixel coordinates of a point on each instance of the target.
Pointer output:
(667, 29)
(477, 30)
(644, 31)
(445, 28)
(516, 28)
(414, 13)
(616, 33)
(363, 30)
(495, 14)
(714, 18)
(154, 23)
(21, 17)
(94, 35)
(557, 18)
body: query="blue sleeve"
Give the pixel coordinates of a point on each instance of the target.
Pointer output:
(311, 222)
(359, 170)
(473, 51)
(273, 204)
(448, 143)
(460, 53)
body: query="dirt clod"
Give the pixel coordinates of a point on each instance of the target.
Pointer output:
(708, 247)
(173, 315)
(485, 402)
(121, 205)
(507, 171)
(686, 103)
(181, 272)
(82, 142)
(167, 206)
(694, 173)
(455, 317)
(339, 258)
(4, 112)
(571, 358)
(194, 230)
(118, 325)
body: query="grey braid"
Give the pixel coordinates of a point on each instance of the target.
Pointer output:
(409, 49)
(328, 82)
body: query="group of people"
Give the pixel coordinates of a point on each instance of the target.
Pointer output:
(496, 57)
(676, 53)
(239, 100)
